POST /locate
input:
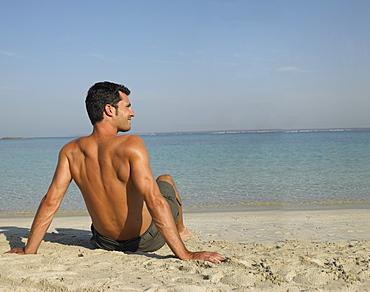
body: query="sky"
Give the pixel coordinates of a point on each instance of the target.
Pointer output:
(194, 65)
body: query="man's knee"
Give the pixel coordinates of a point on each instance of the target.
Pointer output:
(166, 177)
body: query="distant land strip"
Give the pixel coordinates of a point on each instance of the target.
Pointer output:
(261, 131)
(17, 138)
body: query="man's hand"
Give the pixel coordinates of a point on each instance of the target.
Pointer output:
(212, 257)
(19, 250)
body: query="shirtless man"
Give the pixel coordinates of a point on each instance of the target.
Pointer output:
(130, 210)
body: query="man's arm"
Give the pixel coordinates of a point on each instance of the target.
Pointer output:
(48, 207)
(159, 208)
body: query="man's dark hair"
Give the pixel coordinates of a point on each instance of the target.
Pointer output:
(99, 95)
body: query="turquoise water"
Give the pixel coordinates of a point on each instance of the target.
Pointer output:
(223, 170)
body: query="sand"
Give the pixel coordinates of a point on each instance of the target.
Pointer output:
(301, 250)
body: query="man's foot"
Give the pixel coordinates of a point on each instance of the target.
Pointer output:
(185, 233)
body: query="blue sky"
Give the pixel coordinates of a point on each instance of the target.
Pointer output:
(193, 65)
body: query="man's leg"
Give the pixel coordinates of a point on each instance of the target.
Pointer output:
(183, 231)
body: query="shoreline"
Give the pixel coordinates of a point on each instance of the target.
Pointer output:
(270, 250)
(244, 207)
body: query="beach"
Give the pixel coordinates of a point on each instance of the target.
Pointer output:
(267, 250)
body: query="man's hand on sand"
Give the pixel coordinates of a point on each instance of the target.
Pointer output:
(212, 257)
(19, 250)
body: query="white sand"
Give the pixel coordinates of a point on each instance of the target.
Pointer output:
(316, 250)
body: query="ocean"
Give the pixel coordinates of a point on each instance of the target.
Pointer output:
(223, 170)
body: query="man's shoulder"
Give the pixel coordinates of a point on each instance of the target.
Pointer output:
(130, 143)
(130, 139)
(131, 147)
(70, 146)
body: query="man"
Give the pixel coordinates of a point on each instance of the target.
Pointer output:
(130, 210)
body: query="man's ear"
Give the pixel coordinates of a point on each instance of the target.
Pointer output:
(109, 110)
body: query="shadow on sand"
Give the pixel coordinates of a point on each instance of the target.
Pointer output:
(65, 236)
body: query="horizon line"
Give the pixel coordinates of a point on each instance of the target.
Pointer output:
(357, 129)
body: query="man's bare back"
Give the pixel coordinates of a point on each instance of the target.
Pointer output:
(114, 176)
(101, 169)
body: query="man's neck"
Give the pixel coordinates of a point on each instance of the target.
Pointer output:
(102, 129)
